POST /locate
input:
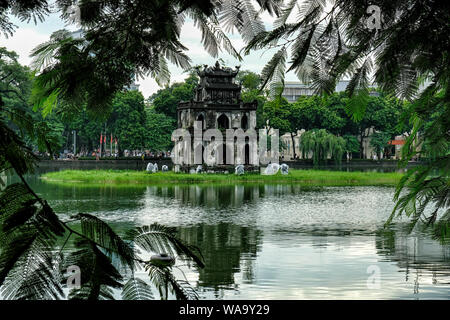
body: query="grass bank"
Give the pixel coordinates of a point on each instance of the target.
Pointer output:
(302, 177)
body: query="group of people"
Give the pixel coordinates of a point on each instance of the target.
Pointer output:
(127, 153)
(146, 154)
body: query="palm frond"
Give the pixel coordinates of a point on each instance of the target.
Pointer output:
(161, 73)
(285, 13)
(274, 71)
(28, 234)
(242, 15)
(301, 47)
(160, 239)
(98, 275)
(137, 289)
(102, 234)
(163, 279)
(177, 57)
(33, 276)
(44, 54)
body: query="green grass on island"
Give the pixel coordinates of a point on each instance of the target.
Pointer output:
(301, 177)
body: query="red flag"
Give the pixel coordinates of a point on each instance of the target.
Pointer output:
(104, 139)
(111, 138)
(101, 138)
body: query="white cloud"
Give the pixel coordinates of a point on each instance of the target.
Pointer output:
(28, 36)
(23, 42)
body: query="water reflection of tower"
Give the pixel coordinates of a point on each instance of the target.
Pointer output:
(217, 196)
(228, 249)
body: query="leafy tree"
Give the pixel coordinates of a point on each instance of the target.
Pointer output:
(379, 140)
(166, 100)
(407, 49)
(128, 120)
(121, 39)
(159, 128)
(88, 130)
(322, 144)
(314, 112)
(381, 114)
(276, 114)
(15, 90)
(351, 144)
(249, 80)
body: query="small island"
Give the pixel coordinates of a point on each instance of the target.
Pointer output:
(301, 177)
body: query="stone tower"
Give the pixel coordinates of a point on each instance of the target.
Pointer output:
(216, 104)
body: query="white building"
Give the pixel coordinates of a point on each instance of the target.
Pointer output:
(293, 90)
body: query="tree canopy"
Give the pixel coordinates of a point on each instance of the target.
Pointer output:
(166, 100)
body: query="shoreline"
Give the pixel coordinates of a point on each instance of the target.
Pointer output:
(295, 176)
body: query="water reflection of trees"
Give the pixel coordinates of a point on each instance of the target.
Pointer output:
(416, 253)
(228, 250)
(220, 196)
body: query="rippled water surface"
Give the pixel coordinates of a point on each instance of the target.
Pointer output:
(278, 241)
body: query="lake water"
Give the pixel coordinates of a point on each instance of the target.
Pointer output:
(278, 241)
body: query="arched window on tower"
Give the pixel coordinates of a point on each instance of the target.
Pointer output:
(223, 122)
(202, 119)
(244, 122)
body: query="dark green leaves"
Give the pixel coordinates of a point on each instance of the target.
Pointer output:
(273, 72)
(98, 275)
(102, 234)
(137, 289)
(164, 280)
(28, 234)
(160, 239)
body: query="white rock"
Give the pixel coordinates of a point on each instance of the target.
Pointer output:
(284, 168)
(239, 170)
(149, 167)
(164, 168)
(272, 168)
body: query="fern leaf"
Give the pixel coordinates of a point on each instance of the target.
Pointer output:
(160, 239)
(274, 71)
(98, 274)
(101, 233)
(163, 279)
(137, 289)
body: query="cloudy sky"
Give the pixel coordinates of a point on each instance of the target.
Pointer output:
(29, 35)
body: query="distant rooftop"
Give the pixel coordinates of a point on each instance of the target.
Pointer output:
(293, 90)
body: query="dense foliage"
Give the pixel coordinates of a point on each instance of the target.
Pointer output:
(123, 39)
(322, 145)
(402, 46)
